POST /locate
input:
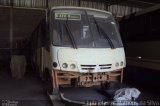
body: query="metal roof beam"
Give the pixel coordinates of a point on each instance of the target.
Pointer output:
(144, 2)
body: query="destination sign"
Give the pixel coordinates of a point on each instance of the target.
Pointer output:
(67, 16)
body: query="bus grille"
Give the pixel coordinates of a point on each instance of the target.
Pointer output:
(105, 66)
(93, 67)
(88, 67)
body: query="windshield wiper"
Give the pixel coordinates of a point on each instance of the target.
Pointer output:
(104, 34)
(70, 35)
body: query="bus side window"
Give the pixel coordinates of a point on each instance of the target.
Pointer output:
(45, 35)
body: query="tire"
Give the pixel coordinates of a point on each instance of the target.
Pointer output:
(47, 78)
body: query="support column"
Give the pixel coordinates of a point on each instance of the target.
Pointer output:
(11, 27)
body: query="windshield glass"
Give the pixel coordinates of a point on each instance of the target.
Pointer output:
(85, 29)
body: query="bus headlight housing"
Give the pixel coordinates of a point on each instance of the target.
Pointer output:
(72, 66)
(121, 63)
(64, 65)
(117, 64)
(55, 64)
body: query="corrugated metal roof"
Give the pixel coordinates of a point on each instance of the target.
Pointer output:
(119, 8)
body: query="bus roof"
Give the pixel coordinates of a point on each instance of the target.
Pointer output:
(82, 8)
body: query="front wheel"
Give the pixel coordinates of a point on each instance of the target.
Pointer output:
(47, 78)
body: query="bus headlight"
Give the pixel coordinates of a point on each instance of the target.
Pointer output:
(55, 64)
(121, 63)
(117, 64)
(72, 66)
(64, 65)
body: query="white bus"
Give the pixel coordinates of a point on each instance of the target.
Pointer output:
(76, 46)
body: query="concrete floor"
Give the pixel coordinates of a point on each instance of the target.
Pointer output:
(28, 91)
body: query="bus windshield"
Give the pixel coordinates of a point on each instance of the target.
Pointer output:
(84, 29)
